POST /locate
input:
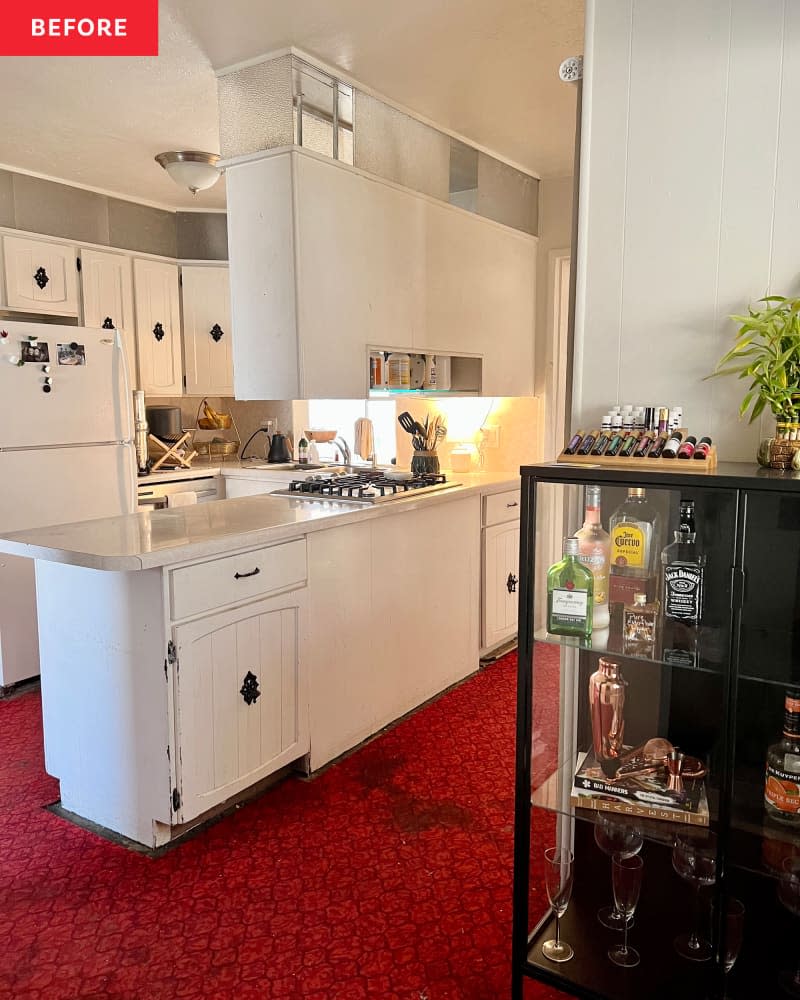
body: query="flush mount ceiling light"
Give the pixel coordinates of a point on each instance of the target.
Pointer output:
(191, 168)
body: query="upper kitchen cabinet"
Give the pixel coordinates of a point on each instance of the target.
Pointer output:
(158, 327)
(327, 260)
(40, 277)
(207, 330)
(107, 286)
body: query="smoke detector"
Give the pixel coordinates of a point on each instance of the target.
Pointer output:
(571, 70)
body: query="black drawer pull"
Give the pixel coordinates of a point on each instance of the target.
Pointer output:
(241, 576)
(512, 504)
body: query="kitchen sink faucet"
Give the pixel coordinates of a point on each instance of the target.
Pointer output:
(347, 455)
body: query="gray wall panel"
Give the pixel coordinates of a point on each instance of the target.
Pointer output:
(6, 198)
(140, 227)
(202, 235)
(59, 210)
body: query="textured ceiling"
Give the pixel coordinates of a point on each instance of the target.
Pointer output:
(487, 70)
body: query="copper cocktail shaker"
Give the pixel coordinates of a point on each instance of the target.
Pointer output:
(606, 706)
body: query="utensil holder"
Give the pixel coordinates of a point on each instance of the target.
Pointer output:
(424, 462)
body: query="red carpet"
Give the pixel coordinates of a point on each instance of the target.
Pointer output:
(389, 876)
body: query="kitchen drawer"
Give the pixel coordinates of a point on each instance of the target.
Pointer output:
(242, 577)
(501, 507)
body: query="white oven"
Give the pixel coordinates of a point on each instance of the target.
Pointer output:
(177, 492)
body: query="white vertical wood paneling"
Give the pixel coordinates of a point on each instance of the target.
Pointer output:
(249, 722)
(601, 220)
(748, 174)
(226, 656)
(289, 674)
(689, 206)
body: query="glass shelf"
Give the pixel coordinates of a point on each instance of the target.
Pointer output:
(710, 655)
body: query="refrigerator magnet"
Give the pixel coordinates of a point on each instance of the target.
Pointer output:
(38, 352)
(71, 354)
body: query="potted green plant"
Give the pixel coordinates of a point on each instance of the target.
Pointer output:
(766, 354)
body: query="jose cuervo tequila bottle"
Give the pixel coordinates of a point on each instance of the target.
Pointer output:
(634, 540)
(782, 787)
(684, 571)
(570, 586)
(595, 549)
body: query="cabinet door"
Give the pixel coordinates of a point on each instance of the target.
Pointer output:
(240, 703)
(500, 562)
(236, 486)
(158, 327)
(40, 277)
(107, 286)
(207, 331)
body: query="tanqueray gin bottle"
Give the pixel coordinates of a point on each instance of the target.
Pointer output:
(570, 588)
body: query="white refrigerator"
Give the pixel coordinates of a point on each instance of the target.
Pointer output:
(66, 454)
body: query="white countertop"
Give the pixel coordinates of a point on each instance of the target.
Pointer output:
(181, 534)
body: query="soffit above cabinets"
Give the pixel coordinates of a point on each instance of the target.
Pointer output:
(487, 71)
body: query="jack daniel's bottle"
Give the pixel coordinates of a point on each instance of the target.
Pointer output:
(684, 572)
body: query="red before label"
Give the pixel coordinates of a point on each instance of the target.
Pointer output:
(82, 28)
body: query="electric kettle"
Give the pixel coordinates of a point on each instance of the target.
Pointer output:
(279, 450)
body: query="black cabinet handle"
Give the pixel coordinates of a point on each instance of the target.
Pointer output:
(512, 504)
(217, 333)
(108, 323)
(249, 689)
(241, 576)
(41, 277)
(511, 583)
(158, 332)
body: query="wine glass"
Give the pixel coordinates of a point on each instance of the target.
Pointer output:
(614, 835)
(789, 895)
(558, 878)
(626, 880)
(734, 933)
(694, 858)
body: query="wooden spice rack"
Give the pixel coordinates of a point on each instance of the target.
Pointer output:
(691, 465)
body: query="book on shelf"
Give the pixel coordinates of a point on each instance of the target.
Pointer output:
(641, 795)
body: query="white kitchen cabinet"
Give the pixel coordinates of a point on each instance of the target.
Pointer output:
(326, 260)
(239, 708)
(158, 327)
(241, 486)
(402, 627)
(40, 277)
(107, 294)
(207, 335)
(500, 568)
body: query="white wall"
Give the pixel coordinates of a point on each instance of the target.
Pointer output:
(690, 199)
(555, 233)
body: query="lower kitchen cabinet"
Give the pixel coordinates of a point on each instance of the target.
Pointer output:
(500, 568)
(239, 703)
(398, 627)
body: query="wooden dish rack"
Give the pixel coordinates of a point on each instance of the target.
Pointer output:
(691, 465)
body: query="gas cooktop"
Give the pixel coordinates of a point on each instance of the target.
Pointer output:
(365, 487)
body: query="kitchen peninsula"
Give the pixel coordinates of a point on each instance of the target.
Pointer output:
(201, 649)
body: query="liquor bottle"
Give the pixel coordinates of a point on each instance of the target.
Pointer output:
(782, 785)
(595, 551)
(640, 626)
(570, 588)
(635, 536)
(684, 571)
(606, 709)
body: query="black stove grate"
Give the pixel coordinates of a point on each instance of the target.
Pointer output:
(363, 484)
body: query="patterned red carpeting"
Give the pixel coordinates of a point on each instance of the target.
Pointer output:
(388, 876)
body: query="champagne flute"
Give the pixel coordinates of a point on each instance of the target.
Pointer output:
(789, 895)
(558, 878)
(626, 879)
(734, 933)
(616, 836)
(694, 858)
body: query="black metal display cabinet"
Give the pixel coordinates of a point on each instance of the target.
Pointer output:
(719, 698)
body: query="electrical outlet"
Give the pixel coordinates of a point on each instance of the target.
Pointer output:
(268, 425)
(491, 436)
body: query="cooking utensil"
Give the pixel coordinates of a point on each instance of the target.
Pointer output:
(407, 422)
